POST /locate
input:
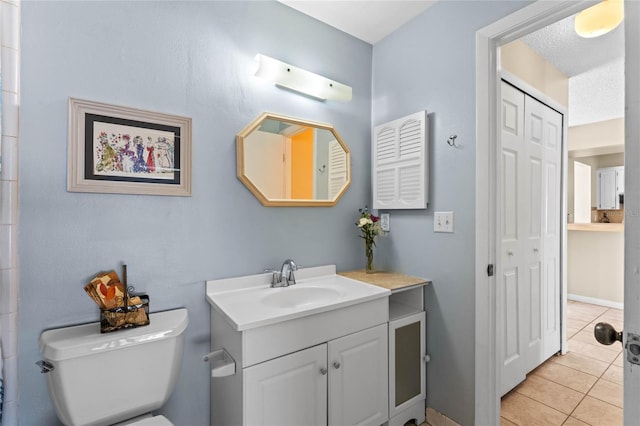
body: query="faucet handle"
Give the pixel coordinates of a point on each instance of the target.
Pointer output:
(276, 277)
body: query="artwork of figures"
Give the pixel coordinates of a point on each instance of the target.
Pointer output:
(132, 151)
(124, 150)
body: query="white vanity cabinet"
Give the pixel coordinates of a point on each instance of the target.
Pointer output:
(342, 382)
(314, 353)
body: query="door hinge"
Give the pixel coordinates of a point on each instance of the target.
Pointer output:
(490, 270)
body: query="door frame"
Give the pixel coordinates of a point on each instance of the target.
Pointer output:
(488, 40)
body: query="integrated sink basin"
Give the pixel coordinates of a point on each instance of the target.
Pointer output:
(250, 302)
(297, 297)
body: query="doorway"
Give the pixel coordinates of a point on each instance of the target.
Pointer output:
(488, 40)
(571, 385)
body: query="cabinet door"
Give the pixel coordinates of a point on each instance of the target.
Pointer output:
(620, 180)
(358, 378)
(400, 159)
(287, 391)
(407, 381)
(606, 189)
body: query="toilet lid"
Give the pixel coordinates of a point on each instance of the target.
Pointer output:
(153, 421)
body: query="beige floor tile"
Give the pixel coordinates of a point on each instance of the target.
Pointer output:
(598, 413)
(505, 422)
(619, 360)
(576, 323)
(585, 335)
(584, 315)
(523, 410)
(450, 422)
(608, 392)
(569, 377)
(550, 393)
(434, 417)
(614, 314)
(614, 374)
(582, 363)
(572, 332)
(572, 421)
(599, 352)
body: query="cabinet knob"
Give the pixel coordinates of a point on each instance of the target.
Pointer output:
(323, 371)
(336, 365)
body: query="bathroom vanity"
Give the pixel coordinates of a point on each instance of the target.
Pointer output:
(313, 353)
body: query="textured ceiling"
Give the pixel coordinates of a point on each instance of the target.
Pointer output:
(595, 67)
(572, 54)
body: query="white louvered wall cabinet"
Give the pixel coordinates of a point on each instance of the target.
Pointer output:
(399, 163)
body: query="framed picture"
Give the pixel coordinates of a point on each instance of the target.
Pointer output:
(120, 150)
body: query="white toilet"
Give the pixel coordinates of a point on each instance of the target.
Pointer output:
(118, 377)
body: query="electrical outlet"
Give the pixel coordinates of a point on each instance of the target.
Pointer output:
(384, 222)
(443, 222)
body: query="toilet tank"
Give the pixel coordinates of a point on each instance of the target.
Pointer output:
(101, 379)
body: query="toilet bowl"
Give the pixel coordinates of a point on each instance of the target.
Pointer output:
(114, 378)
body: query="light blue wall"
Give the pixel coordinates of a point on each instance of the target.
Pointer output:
(430, 64)
(193, 59)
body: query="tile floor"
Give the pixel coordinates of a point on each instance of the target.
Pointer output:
(583, 387)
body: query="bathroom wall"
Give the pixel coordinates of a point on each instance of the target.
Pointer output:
(193, 59)
(429, 64)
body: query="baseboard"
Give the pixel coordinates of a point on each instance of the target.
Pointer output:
(594, 301)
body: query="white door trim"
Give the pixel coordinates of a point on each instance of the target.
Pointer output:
(488, 39)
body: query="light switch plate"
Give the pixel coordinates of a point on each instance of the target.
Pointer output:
(443, 222)
(384, 222)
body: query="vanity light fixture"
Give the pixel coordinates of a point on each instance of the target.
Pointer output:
(303, 81)
(599, 19)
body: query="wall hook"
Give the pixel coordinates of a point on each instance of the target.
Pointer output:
(452, 140)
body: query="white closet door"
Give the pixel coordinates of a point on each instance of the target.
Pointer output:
(530, 208)
(510, 280)
(532, 216)
(552, 233)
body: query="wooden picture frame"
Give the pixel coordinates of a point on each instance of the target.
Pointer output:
(121, 150)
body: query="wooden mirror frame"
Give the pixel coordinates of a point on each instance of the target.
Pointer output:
(255, 190)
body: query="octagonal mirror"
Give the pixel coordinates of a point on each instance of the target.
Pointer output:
(286, 161)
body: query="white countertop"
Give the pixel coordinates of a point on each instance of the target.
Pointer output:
(246, 302)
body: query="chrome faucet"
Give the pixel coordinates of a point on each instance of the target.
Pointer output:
(284, 277)
(286, 272)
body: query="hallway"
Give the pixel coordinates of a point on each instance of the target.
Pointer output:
(583, 387)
